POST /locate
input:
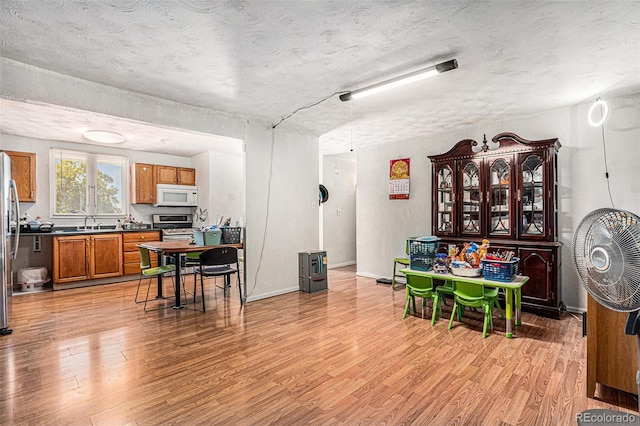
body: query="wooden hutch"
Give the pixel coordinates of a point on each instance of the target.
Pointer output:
(505, 191)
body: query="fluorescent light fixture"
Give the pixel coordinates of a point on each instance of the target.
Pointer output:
(604, 112)
(103, 136)
(401, 80)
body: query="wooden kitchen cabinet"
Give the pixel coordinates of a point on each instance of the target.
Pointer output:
(175, 175)
(23, 171)
(504, 191)
(143, 183)
(86, 257)
(131, 256)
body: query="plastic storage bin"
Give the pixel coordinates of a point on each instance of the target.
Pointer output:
(231, 235)
(32, 279)
(207, 238)
(422, 252)
(498, 270)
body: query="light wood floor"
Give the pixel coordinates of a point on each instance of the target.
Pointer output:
(90, 356)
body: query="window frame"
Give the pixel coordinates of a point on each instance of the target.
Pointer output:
(92, 160)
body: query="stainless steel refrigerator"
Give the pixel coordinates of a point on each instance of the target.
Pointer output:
(9, 239)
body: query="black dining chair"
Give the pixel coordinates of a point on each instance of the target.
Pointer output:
(218, 262)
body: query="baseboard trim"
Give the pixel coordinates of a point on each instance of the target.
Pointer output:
(340, 265)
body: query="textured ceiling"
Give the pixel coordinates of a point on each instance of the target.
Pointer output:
(266, 59)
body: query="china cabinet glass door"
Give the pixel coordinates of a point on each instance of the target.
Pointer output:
(471, 199)
(499, 199)
(532, 196)
(444, 202)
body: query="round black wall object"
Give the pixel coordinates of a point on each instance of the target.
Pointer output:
(324, 194)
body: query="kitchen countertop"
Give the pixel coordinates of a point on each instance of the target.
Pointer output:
(58, 232)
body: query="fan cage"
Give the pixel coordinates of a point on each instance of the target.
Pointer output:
(606, 254)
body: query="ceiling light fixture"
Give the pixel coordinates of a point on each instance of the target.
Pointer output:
(103, 136)
(604, 111)
(401, 80)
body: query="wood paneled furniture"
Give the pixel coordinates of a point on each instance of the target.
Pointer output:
(143, 183)
(86, 257)
(504, 191)
(175, 175)
(131, 255)
(23, 171)
(612, 355)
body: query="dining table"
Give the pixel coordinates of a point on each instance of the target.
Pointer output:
(513, 291)
(175, 250)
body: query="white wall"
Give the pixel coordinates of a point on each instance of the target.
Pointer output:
(272, 242)
(339, 212)
(282, 208)
(383, 224)
(221, 186)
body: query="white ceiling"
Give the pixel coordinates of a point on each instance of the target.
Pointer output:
(266, 59)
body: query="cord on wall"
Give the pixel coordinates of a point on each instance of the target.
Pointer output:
(266, 216)
(606, 168)
(604, 113)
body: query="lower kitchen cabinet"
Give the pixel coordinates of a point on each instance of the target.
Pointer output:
(86, 257)
(130, 241)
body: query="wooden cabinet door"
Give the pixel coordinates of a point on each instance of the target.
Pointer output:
(166, 175)
(175, 175)
(186, 176)
(538, 265)
(499, 204)
(106, 255)
(444, 199)
(70, 259)
(534, 205)
(470, 198)
(23, 171)
(143, 183)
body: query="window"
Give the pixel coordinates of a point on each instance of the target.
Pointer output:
(84, 183)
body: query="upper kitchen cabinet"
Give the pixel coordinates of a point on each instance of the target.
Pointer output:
(143, 185)
(23, 171)
(175, 175)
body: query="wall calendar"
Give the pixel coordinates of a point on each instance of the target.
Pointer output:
(399, 179)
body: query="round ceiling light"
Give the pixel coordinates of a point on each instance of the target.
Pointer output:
(103, 136)
(604, 112)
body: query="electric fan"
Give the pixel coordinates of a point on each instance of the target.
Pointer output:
(606, 254)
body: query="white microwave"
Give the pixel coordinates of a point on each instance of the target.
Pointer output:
(176, 196)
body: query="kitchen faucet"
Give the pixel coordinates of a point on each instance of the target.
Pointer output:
(87, 217)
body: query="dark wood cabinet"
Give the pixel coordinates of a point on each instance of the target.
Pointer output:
(505, 191)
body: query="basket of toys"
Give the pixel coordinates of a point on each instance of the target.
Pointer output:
(499, 269)
(463, 269)
(422, 252)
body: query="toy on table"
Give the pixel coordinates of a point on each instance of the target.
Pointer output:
(441, 266)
